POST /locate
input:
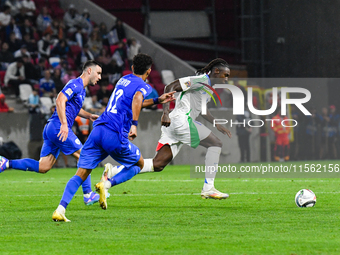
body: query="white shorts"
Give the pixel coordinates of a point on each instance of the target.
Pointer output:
(182, 130)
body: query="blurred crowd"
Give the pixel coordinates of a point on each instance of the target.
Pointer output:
(45, 49)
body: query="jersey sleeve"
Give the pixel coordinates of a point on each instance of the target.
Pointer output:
(71, 89)
(193, 82)
(145, 89)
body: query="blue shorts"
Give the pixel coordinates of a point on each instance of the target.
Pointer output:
(103, 142)
(52, 144)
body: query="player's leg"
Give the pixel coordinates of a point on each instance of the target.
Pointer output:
(90, 197)
(90, 156)
(71, 188)
(214, 146)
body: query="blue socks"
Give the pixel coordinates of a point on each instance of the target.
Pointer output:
(87, 185)
(71, 189)
(124, 175)
(26, 164)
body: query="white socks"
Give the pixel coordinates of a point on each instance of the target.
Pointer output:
(148, 166)
(211, 163)
(61, 209)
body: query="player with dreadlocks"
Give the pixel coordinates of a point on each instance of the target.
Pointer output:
(180, 127)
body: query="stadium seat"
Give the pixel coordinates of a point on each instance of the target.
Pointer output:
(155, 77)
(75, 49)
(113, 48)
(159, 87)
(126, 72)
(167, 76)
(25, 91)
(94, 89)
(46, 104)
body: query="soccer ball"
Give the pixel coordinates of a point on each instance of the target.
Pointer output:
(305, 198)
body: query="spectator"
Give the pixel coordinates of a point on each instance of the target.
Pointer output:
(44, 46)
(15, 75)
(103, 92)
(87, 23)
(34, 102)
(95, 44)
(243, 132)
(77, 38)
(281, 136)
(119, 54)
(103, 33)
(61, 49)
(59, 85)
(132, 50)
(119, 31)
(44, 21)
(58, 28)
(72, 19)
(68, 75)
(21, 16)
(6, 57)
(30, 7)
(13, 28)
(31, 73)
(112, 72)
(5, 17)
(311, 135)
(82, 128)
(13, 43)
(83, 56)
(27, 28)
(334, 119)
(22, 51)
(104, 57)
(94, 106)
(30, 44)
(47, 86)
(3, 106)
(40, 68)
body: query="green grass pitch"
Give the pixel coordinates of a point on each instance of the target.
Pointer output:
(163, 213)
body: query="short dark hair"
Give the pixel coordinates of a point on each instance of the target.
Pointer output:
(90, 63)
(141, 63)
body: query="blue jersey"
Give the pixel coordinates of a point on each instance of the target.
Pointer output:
(118, 113)
(75, 92)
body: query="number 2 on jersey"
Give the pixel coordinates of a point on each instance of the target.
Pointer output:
(115, 98)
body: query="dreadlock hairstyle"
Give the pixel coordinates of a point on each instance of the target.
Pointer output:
(218, 62)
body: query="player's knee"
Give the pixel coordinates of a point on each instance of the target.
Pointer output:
(158, 166)
(218, 143)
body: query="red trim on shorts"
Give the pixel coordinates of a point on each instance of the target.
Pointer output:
(160, 145)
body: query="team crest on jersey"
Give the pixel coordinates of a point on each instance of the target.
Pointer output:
(69, 92)
(77, 141)
(187, 84)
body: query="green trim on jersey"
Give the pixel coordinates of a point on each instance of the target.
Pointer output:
(194, 137)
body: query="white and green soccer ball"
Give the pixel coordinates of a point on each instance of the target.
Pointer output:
(305, 198)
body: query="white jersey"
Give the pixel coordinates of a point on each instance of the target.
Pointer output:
(189, 102)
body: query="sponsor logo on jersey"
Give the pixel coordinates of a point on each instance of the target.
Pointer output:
(69, 92)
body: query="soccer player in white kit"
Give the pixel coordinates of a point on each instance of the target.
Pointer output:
(180, 127)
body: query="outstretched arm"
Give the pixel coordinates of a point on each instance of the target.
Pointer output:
(165, 98)
(84, 114)
(219, 127)
(173, 86)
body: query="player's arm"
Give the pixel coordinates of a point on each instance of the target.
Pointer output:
(173, 86)
(84, 114)
(61, 110)
(137, 103)
(163, 99)
(219, 127)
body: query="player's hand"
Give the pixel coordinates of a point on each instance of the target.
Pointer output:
(167, 97)
(133, 133)
(166, 121)
(223, 130)
(63, 133)
(93, 117)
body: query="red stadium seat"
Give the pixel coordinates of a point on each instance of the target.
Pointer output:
(126, 72)
(159, 87)
(75, 49)
(94, 89)
(2, 78)
(113, 48)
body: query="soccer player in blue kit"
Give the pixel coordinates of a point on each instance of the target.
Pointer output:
(58, 135)
(112, 131)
